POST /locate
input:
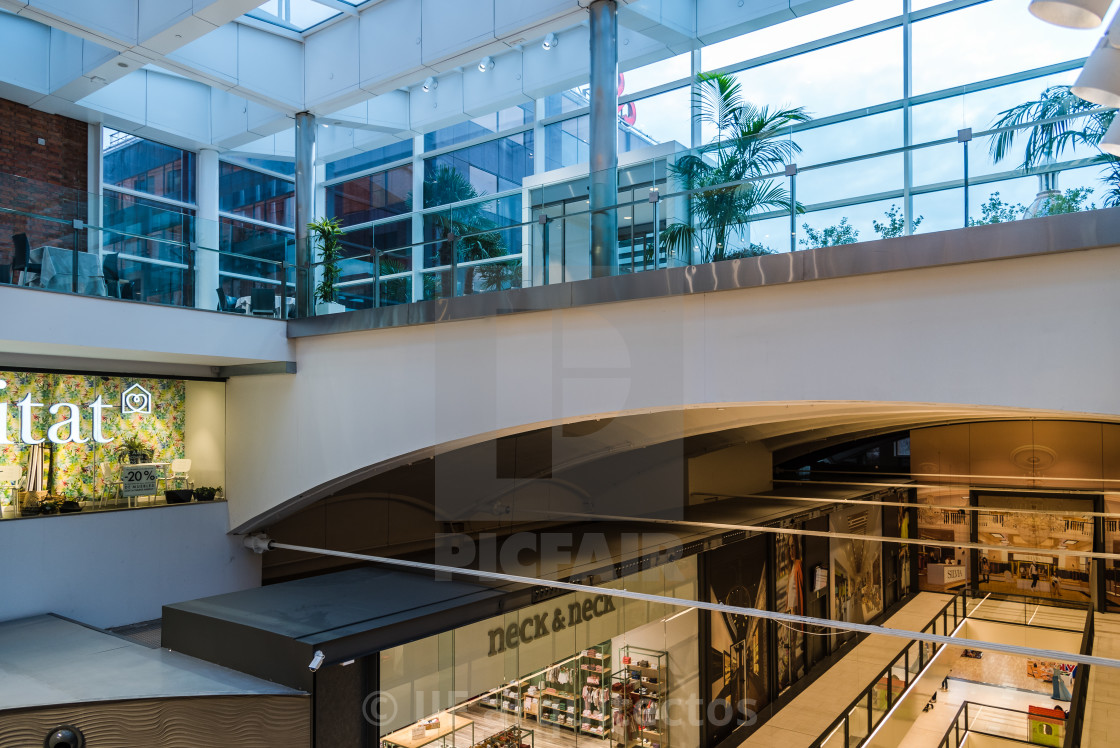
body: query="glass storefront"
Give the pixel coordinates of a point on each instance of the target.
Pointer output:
(77, 442)
(577, 669)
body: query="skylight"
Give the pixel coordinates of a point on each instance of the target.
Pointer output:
(297, 15)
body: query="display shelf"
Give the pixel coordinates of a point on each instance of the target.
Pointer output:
(511, 737)
(595, 685)
(639, 691)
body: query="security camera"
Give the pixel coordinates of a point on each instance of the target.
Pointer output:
(317, 661)
(65, 736)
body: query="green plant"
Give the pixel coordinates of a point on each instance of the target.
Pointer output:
(327, 233)
(727, 178)
(133, 449)
(466, 233)
(1073, 200)
(830, 236)
(895, 225)
(995, 210)
(206, 493)
(751, 250)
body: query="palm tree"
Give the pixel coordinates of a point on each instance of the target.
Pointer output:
(467, 231)
(726, 178)
(1061, 121)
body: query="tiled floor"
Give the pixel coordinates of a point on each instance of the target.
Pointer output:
(1001, 669)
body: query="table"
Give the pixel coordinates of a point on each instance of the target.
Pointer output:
(448, 723)
(245, 304)
(58, 269)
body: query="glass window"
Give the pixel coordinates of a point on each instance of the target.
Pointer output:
(299, 14)
(506, 119)
(255, 195)
(566, 143)
(989, 40)
(486, 168)
(566, 101)
(855, 137)
(370, 159)
(823, 23)
(287, 168)
(381, 195)
(656, 74)
(659, 119)
(256, 252)
(145, 166)
(841, 78)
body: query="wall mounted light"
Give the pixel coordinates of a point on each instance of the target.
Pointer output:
(486, 65)
(1072, 14)
(430, 84)
(1099, 80)
(550, 41)
(1110, 143)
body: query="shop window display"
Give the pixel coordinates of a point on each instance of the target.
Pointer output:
(66, 440)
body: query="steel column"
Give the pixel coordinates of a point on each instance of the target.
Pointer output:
(604, 138)
(305, 210)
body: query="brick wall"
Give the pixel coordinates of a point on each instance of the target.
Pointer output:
(45, 180)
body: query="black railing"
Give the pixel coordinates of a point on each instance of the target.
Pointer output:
(868, 710)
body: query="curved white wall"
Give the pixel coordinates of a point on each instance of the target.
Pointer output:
(1026, 333)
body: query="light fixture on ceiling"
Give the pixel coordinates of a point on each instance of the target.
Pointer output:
(1110, 143)
(1099, 80)
(430, 84)
(550, 41)
(1073, 14)
(486, 65)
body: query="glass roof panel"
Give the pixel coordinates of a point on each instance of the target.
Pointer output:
(299, 15)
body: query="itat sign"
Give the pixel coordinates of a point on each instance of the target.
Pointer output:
(68, 429)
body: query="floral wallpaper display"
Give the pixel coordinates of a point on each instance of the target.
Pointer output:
(75, 471)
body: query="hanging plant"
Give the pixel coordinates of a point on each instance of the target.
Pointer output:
(327, 236)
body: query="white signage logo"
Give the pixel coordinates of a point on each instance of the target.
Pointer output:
(135, 399)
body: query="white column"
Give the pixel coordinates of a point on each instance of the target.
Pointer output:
(207, 233)
(417, 219)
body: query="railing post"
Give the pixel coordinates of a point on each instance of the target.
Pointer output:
(655, 201)
(78, 226)
(791, 172)
(376, 277)
(544, 220)
(963, 136)
(454, 264)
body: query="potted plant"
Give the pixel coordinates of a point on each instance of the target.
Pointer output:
(327, 236)
(133, 451)
(206, 493)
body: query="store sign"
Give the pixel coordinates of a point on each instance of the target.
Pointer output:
(68, 430)
(539, 625)
(954, 574)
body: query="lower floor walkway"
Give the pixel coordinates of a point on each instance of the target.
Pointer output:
(1102, 704)
(805, 718)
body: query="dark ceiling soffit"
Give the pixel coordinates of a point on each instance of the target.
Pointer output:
(1039, 236)
(247, 370)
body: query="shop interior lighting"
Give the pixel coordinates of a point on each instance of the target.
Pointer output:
(1099, 80)
(1072, 14)
(550, 41)
(430, 84)
(486, 65)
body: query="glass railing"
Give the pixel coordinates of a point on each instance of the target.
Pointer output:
(1039, 726)
(666, 216)
(868, 710)
(1024, 610)
(135, 248)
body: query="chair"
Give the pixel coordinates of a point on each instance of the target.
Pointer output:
(131, 290)
(21, 261)
(10, 475)
(114, 286)
(109, 478)
(179, 469)
(262, 302)
(5, 274)
(227, 303)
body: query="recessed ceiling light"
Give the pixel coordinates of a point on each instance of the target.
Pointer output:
(122, 64)
(550, 41)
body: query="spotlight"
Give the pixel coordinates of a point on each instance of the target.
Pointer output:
(550, 41)
(317, 660)
(1099, 80)
(486, 65)
(1073, 14)
(1110, 143)
(430, 84)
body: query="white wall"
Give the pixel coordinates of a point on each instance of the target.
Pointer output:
(1021, 333)
(204, 434)
(120, 567)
